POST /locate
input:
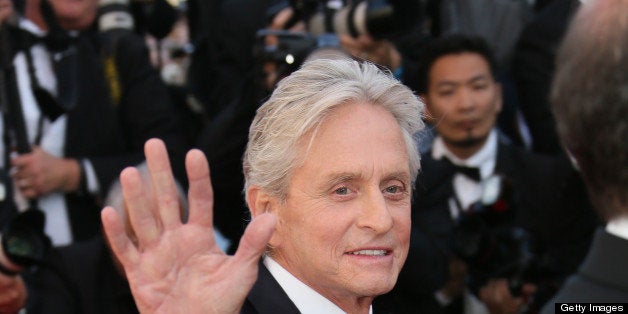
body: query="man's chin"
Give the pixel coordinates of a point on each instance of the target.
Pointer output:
(376, 285)
(468, 142)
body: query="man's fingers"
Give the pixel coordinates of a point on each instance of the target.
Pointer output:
(138, 207)
(255, 238)
(200, 194)
(119, 242)
(165, 191)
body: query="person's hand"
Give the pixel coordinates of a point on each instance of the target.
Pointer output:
(498, 299)
(456, 284)
(39, 173)
(176, 267)
(381, 52)
(12, 294)
(6, 10)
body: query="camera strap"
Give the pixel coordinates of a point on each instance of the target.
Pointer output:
(109, 42)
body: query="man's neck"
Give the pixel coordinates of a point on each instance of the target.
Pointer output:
(465, 150)
(32, 12)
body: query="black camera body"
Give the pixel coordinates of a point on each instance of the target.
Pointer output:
(487, 238)
(291, 50)
(23, 242)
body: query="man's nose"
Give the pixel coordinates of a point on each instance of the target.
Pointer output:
(375, 214)
(465, 100)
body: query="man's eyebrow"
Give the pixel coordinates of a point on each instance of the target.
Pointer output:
(338, 177)
(480, 77)
(399, 175)
(448, 83)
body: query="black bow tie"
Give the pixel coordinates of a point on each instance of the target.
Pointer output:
(470, 172)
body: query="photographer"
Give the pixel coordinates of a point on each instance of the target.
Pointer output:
(539, 226)
(89, 99)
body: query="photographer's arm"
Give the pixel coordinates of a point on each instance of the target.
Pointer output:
(498, 299)
(456, 283)
(39, 173)
(382, 52)
(176, 267)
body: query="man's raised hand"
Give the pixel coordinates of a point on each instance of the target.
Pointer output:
(176, 267)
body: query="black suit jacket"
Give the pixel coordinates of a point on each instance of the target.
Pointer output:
(112, 135)
(549, 202)
(79, 278)
(267, 296)
(533, 69)
(602, 277)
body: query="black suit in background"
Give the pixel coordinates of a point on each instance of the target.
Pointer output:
(533, 69)
(85, 281)
(224, 77)
(112, 135)
(602, 277)
(551, 203)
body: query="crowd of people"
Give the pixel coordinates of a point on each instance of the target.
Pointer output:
(450, 158)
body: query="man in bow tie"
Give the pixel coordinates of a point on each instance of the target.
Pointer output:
(545, 196)
(117, 102)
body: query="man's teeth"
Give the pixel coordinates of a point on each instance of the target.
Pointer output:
(370, 252)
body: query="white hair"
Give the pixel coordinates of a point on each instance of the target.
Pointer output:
(302, 100)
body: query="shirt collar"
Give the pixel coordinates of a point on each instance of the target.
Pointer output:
(618, 227)
(306, 299)
(484, 159)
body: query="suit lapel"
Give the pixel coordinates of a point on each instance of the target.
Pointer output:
(267, 296)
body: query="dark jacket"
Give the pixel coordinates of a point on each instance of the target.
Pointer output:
(602, 277)
(79, 279)
(548, 201)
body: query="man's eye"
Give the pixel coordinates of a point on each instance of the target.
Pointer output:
(393, 189)
(445, 93)
(342, 191)
(480, 86)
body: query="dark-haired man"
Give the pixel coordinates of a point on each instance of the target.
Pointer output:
(543, 196)
(112, 101)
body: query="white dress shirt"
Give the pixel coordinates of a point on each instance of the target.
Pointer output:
(306, 299)
(53, 134)
(467, 190)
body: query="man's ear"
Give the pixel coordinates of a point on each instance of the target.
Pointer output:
(259, 201)
(499, 95)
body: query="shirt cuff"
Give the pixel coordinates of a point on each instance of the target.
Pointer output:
(442, 299)
(91, 180)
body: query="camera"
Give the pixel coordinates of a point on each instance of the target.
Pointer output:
(291, 48)
(23, 240)
(380, 19)
(493, 246)
(155, 17)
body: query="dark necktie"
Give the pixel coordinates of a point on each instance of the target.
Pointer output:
(470, 172)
